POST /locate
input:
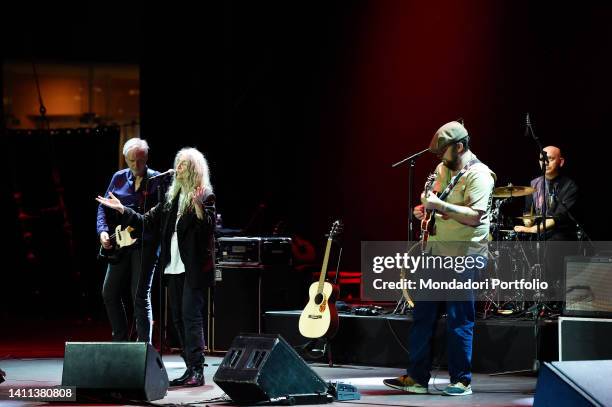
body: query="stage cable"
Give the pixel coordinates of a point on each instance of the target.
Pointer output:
(397, 339)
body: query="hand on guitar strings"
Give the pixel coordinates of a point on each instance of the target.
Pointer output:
(431, 202)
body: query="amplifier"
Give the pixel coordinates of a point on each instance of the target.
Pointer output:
(588, 286)
(254, 252)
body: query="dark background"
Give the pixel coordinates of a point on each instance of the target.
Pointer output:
(301, 107)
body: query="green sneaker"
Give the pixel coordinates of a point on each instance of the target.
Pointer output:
(405, 383)
(458, 389)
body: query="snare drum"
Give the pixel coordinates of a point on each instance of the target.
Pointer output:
(527, 237)
(512, 236)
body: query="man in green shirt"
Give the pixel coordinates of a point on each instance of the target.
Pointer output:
(462, 216)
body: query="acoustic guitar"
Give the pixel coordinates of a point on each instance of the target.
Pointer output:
(320, 317)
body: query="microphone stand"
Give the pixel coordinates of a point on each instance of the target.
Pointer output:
(411, 163)
(162, 305)
(540, 235)
(411, 160)
(529, 132)
(537, 307)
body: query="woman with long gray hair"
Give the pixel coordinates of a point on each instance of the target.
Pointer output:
(185, 224)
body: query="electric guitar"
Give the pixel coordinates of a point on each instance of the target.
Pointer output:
(428, 222)
(119, 240)
(320, 317)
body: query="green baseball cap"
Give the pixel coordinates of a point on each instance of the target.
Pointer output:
(447, 134)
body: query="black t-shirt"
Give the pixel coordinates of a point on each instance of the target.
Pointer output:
(561, 197)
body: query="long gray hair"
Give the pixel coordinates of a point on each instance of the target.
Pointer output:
(197, 175)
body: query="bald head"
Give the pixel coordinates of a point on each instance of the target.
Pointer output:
(555, 161)
(552, 150)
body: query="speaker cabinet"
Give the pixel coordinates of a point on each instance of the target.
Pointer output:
(572, 384)
(261, 367)
(114, 370)
(584, 338)
(241, 295)
(235, 306)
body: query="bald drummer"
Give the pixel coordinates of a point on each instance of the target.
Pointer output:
(561, 196)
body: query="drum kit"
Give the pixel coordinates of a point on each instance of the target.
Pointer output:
(512, 255)
(500, 230)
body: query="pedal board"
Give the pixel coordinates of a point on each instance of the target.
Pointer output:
(344, 391)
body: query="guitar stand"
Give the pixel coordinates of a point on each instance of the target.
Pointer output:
(402, 307)
(328, 348)
(317, 353)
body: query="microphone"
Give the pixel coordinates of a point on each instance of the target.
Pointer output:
(552, 193)
(527, 124)
(163, 174)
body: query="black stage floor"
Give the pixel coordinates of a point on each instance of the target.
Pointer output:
(501, 344)
(488, 390)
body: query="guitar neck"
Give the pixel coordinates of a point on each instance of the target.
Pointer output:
(324, 266)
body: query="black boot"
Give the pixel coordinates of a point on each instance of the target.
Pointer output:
(196, 378)
(181, 380)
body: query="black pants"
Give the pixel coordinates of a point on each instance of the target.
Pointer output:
(129, 271)
(188, 311)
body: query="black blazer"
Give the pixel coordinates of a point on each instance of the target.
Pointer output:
(196, 237)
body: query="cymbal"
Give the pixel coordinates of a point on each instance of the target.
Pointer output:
(511, 191)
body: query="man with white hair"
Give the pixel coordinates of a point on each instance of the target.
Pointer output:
(132, 188)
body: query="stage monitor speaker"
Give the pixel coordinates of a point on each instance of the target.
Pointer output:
(114, 370)
(579, 383)
(260, 367)
(584, 338)
(588, 286)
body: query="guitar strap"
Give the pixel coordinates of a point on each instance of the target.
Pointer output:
(456, 178)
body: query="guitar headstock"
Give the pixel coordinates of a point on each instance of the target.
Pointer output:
(431, 178)
(336, 229)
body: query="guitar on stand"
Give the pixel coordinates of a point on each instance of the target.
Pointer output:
(319, 319)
